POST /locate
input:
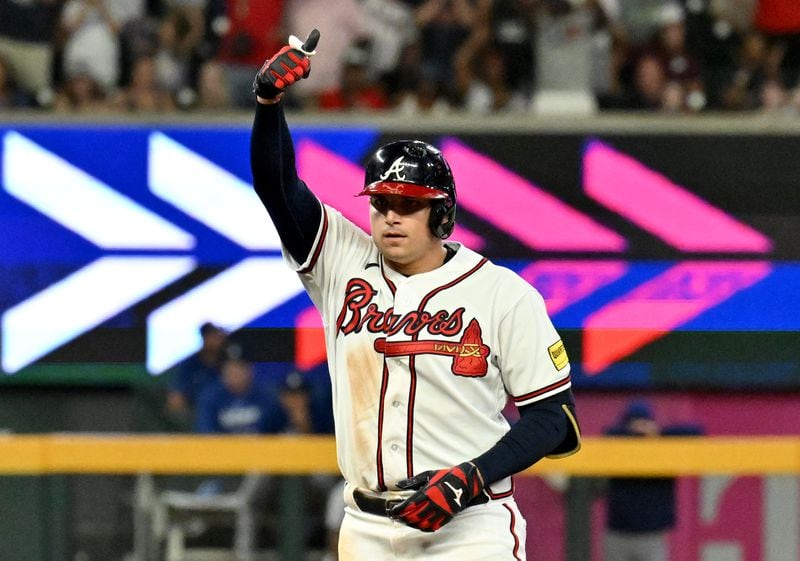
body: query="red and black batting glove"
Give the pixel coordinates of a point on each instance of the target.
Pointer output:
(290, 64)
(441, 495)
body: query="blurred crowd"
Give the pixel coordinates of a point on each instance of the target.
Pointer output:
(405, 56)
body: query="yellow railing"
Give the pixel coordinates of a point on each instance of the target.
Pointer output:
(128, 453)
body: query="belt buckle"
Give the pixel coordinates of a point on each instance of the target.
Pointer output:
(390, 504)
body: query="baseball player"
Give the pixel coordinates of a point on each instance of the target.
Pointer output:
(426, 341)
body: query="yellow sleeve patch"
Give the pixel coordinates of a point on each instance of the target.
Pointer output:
(558, 354)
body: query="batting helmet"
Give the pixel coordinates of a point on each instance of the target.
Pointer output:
(412, 168)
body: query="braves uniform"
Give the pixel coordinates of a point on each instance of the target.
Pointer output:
(422, 365)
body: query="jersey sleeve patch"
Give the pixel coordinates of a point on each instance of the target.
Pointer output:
(558, 354)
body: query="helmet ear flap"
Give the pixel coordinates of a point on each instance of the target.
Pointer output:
(442, 219)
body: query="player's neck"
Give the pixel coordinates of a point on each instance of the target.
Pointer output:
(426, 263)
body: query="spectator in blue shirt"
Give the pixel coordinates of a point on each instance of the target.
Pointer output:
(238, 405)
(304, 406)
(641, 510)
(197, 373)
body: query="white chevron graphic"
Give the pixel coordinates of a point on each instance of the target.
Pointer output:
(209, 193)
(80, 302)
(82, 203)
(232, 299)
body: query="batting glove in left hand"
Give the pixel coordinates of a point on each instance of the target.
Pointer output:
(441, 495)
(290, 64)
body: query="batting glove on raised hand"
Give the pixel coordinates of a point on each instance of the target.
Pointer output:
(441, 495)
(290, 64)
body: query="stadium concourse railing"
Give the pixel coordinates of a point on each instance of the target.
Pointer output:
(148, 455)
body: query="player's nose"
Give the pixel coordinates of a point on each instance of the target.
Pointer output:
(391, 216)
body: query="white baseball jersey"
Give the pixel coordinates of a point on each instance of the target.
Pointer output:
(422, 366)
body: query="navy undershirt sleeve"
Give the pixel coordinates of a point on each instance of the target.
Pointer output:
(294, 209)
(542, 426)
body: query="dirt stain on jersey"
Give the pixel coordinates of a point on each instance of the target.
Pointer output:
(363, 376)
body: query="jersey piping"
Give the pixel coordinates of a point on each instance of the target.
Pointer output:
(379, 452)
(512, 527)
(560, 385)
(320, 243)
(386, 278)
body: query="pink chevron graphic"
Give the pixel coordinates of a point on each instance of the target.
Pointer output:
(515, 205)
(562, 283)
(660, 305)
(309, 339)
(335, 180)
(663, 208)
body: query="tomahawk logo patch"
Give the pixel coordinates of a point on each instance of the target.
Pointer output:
(469, 354)
(470, 359)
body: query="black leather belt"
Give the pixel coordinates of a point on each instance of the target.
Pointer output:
(374, 505)
(381, 507)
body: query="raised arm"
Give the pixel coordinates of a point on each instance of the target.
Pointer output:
(294, 209)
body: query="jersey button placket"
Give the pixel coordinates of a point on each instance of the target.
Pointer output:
(395, 421)
(395, 412)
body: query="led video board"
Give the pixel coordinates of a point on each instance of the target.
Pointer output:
(665, 260)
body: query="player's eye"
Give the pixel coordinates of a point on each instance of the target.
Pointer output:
(379, 203)
(400, 205)
(407, 205)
